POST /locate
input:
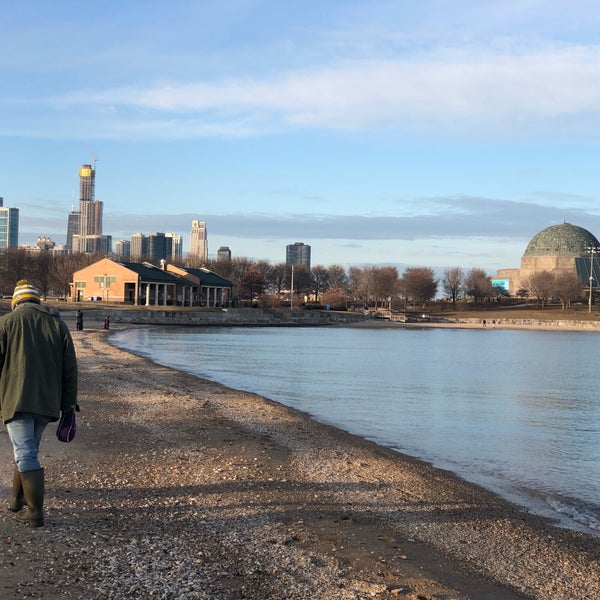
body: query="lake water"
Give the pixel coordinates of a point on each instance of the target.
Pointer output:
(517, 412)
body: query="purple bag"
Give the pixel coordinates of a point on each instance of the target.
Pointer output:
(66, 426)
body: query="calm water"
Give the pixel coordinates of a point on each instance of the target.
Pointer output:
(515, 411)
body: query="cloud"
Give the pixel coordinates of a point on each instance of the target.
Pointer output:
(449, 90)
(441, 217)
(455, 217)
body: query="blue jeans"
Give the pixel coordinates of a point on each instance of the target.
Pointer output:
(25, 432)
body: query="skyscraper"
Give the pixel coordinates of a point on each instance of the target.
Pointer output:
(224, 254)
(87, 183)
(138, 247)
(89, 238)
(176, 246)
(198, 242)
(160, 247)
(72, 228)
(9, 226)
(90, 218)
(123, 248)
(298, 254)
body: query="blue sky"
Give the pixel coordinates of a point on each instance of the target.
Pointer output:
(433, 133)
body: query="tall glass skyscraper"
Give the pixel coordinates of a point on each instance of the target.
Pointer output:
(9, 226)
(72, 228)
(298, 254)
(160, 247)
(176, 246)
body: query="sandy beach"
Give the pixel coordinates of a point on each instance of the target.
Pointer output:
(179, 488)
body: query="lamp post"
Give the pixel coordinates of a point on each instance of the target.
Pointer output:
(592, 250)
(292, 290)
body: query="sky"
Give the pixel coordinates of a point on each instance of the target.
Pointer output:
(435, 133)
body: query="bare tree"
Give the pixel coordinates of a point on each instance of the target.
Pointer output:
(385, 284)
(567, 288)
(193, 261)
(42, 271)
(239, 266)
(264, 267)
(541, 286)
(63, 268)
(224, 268)
(335, 298)
(302, 280)
(418, 284)
(319, 280)
(361, 283)
(355, 277)
(252, 283)
(15, 264)
(477, 284)
(453, 282)
(276, 278)
(338, 278)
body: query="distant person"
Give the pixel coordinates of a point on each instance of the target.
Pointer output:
(38, 381)
(79, 320)
(106, 322)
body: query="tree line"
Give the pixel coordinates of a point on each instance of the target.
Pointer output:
(51, 273)
(338, 287)
(543, 287)
(373, 286)
(253, 281)
(260, 281)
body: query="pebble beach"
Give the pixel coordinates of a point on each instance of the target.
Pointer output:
(179, 488)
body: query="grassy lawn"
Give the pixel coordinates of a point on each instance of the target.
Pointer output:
(495, 311)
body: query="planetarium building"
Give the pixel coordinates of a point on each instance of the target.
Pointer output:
(560, 249)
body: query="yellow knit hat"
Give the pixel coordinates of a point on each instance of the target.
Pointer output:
(24, 292)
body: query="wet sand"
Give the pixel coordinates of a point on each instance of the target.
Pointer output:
(176, 487)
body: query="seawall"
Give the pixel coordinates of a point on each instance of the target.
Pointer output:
(214, 317)
(264, 317)
(508, 323)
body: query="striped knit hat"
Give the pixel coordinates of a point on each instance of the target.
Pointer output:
(24, 292)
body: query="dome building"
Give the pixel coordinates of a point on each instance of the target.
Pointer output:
(560, 249)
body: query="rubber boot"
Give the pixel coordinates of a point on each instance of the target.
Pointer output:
(17, 499)
(33, 488)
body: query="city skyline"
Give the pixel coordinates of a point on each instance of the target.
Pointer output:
(422, 134)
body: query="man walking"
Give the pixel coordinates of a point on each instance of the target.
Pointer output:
(38, 380)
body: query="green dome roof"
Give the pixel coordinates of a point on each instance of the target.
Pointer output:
(562, 240)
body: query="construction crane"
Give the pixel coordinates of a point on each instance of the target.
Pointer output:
(94, 157)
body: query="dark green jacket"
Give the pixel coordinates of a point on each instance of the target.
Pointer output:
(38, 367)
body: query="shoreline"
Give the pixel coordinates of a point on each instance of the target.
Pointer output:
(539, 320)
(568, 510)
(242, 497)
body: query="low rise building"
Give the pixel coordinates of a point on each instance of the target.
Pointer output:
(144, 284)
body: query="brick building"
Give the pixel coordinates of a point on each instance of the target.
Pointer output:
(144, 284)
